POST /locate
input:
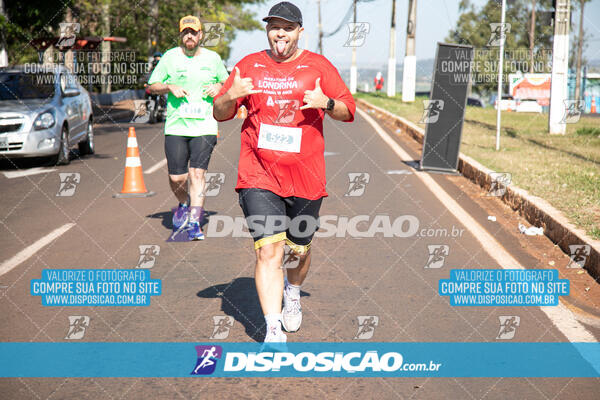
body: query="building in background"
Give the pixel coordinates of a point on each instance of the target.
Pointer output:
(590, 88)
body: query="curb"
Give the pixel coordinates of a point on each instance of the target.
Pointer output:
(535, 210)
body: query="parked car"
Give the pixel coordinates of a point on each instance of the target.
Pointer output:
(44, 111)
(475, 101)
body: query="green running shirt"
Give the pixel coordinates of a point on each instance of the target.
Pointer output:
(191, 115)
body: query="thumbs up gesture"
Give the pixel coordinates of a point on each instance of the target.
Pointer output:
(315, 98)
(241, 87)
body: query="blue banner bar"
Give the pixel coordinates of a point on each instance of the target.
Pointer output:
(225, 359)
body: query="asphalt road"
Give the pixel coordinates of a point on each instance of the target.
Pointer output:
(351, 277)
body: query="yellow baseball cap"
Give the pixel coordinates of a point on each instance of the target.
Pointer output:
(189, 21)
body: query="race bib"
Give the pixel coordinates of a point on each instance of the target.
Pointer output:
(192, 110)
(280, 138)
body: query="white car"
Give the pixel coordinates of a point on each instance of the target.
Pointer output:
(43, 112)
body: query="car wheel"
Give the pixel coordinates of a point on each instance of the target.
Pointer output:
(87, 146)
(62, 158)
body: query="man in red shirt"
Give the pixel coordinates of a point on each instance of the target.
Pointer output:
(281, 172)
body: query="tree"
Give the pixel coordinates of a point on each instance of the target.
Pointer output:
(139, 24)
(133, 20)
(474, 27)
(24, 21)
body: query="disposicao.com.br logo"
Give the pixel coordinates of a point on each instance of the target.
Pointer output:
(293, 359)
(370, 361)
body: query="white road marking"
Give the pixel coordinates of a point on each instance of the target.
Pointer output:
(27, 172)
(30, 250)
(330, 153)
(559, 315)
(156, 166)
(399, 172)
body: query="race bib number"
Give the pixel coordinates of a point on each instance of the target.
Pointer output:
(280, 138)
(192, 110)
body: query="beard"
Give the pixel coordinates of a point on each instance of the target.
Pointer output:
(190, 47)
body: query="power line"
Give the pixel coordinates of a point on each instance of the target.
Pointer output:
(346, 18)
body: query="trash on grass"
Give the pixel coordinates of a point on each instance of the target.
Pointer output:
(491, 218)
(531, 231)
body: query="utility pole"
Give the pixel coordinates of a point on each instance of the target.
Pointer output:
(353, 71)
(500, 68)
(560, 64)
(391, 86)
(409, 73)
(532, 36)
(579, 48)
(320, 29)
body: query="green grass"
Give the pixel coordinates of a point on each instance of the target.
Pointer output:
(588, 131)
(562, 169)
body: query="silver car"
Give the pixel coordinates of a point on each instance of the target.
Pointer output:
(44, 111)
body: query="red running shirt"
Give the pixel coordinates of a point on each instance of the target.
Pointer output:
(282, 146)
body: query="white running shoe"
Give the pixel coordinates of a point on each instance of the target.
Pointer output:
(275, 335)
(291, 316)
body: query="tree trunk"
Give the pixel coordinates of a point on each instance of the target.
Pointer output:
(153, 26)
(3, 54)
(105, 47)
(69, 59)
(532, 36)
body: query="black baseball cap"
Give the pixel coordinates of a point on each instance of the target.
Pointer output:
(285, 10)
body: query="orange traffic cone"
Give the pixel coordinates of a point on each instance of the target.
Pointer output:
(133, 183)
(593, 109)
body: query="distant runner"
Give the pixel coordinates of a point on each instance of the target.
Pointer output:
(378, 82)
(281, 173)
(192, 76)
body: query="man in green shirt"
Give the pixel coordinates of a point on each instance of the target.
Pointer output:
(192, 76)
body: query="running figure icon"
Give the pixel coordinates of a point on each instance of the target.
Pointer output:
(207, 361)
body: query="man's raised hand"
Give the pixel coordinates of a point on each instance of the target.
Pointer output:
(241, 87)
(315, 98)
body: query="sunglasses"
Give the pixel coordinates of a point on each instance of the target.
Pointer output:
(189, 31)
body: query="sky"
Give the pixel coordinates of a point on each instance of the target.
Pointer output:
(435, 18)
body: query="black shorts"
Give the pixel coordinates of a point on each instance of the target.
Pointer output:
(183, 149)
(272, 218)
